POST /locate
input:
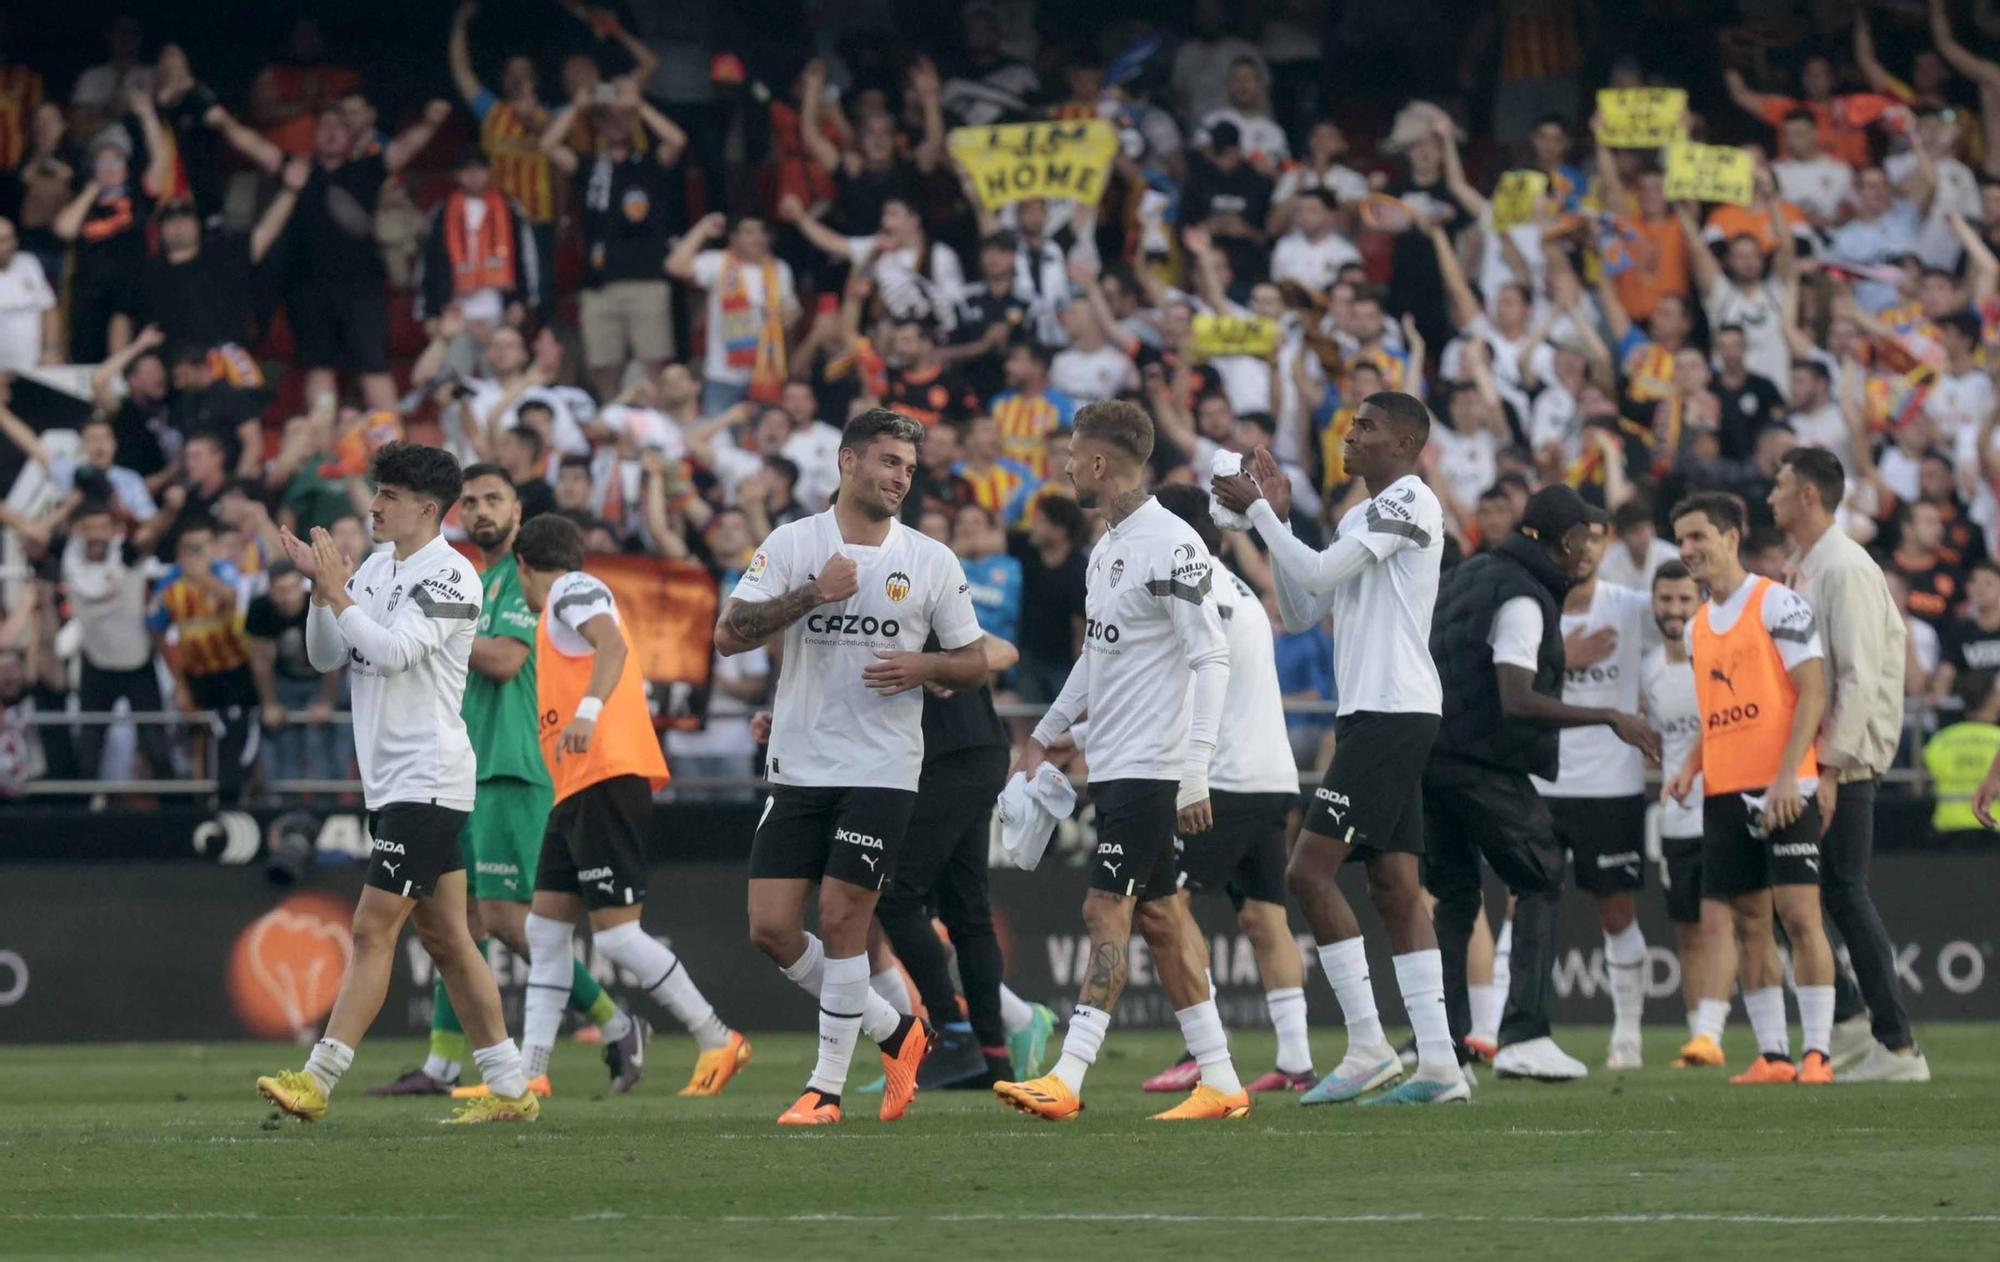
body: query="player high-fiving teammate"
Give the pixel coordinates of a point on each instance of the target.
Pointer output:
(855, 594)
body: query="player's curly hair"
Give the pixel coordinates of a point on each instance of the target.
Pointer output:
(430, 472)
(549, 543)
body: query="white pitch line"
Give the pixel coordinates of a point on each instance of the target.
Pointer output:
(1552, 1220)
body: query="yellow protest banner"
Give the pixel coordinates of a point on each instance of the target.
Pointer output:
(1517, 197)
(1219, 335)
(1017, 161)
(1710, 173)
(1640, 118)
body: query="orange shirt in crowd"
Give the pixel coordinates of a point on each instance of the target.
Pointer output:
(1843, 121)
(1659, 266)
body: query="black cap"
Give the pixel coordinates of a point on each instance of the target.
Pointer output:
(1001, 239)
(1553, 512)
(1596, 516)
(1225, 135)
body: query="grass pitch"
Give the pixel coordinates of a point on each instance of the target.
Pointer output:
(166, 1151)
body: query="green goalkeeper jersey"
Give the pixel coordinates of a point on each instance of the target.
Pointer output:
(500, 715)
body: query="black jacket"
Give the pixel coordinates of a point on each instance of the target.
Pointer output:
(1473, 727)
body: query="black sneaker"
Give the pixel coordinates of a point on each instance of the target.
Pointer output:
(624, 1057)
(956, 1057)
(413, 1082)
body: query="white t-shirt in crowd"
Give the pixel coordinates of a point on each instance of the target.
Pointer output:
(1958, 406)
(1468, 462)
(1263, 140)
(1091, 376)
(1506, 354)
(1256, 757)
(1595, 763)
(1825, 427)
(816, 451)
(1314, 264)
(649, 430)
(1760, 313)
(1618, 568)
(1820, 187)
(708, 275)
(1957, 192)
(910, 294)
(1672, 709)
(25, 294)
(829, 728)
(566, 429)
(1552, 419)
(1345, 183)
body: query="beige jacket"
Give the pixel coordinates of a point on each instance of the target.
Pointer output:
(1864, 638)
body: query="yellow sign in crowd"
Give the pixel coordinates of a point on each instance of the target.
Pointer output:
(1640, 118)
(1018, 161)
(1710, 173)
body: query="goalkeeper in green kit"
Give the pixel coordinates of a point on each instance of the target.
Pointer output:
(503, 837)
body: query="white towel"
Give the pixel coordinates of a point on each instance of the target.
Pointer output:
(1225, 464)
(1029, 810)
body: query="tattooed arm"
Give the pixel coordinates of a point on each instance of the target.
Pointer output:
(745, 625)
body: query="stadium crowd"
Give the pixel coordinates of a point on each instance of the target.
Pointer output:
(657, 315)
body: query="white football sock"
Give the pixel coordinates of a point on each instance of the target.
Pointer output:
(1766, 1009)
(809, 970)
(1710, 1015)
(1816, 1018)
(1346, 967)
(842, 996)
(1208, 1042)
(551, 966)
(1087, 1027)
(1625, 964)
(1503, 971)
(894, 990)
(662, 975)
(1486, 1001)
(1420, 976)
(438, 1068)
(1015, 1012)
(328, 1060)
(617, 1027)
(1287, 1007)
(500, 1069)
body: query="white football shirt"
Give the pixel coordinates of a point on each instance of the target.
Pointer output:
(1595, 763)
(829, 728)
(1254, 753)
(573, 600)
(1149, 624)
(406, 642)
(1672, 710)
(1382, 617)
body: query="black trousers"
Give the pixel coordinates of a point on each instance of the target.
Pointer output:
(942, 864)
(1845, 855)
(1473, 811)
(99, 689)
(232, 694)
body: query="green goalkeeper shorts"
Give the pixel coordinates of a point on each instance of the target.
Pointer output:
(503, 837)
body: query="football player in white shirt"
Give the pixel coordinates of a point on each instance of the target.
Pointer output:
(855, 593)
(1762, 691)
(1153, 678)
(1379, 580)
(1598, 796)
(1701, 929)
(404, 624)
(1254, 785)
